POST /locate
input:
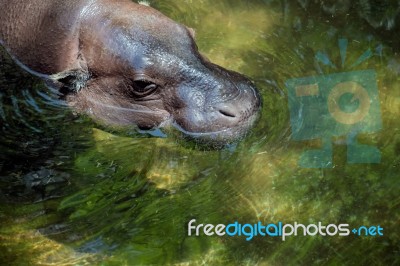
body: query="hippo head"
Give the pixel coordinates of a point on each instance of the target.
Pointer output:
(145, 70)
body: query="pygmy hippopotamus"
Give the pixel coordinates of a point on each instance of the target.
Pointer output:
(127, 64)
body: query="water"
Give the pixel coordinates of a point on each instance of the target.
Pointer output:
(74, 193)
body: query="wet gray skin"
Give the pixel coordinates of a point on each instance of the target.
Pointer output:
(126, 64)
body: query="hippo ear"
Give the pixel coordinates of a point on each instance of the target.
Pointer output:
(72, 80)
(192, 32)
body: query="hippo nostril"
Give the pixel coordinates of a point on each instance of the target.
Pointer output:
(227, 113)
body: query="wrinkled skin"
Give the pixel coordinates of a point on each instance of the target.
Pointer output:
(127, 64)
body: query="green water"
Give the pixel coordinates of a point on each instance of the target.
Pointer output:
(120, 198)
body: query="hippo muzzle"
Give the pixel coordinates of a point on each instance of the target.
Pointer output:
(221, 106)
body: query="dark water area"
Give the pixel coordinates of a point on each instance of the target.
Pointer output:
(73, 192)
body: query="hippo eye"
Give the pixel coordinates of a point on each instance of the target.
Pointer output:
(143, 88)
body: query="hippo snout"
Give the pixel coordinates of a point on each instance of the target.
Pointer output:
(221, 114)
(240, 108)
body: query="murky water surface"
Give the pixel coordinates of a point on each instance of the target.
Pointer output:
(74, 193)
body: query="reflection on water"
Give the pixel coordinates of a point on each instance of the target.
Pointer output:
(75, 194)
